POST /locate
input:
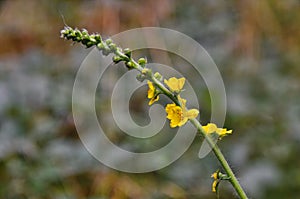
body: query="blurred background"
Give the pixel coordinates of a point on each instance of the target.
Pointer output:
(256, 46)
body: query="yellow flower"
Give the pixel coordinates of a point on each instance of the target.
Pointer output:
(175, 84)
(214, 175)
(174, 114)
(214, 186)
(216, 181)
(180, 115)
(152, 95)
(212, 128)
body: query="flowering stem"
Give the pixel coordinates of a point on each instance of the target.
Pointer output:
(108, 47)
(151, 77)
(165, 90)
(233, 180)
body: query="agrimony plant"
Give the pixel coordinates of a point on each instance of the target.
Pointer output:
(177, 112)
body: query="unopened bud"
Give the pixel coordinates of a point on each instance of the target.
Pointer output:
(142, 62)
(140, 77)
(147, 72)
(108, 41)
(100, 46)
(127, 52)
(158, 76)
(113, 47)
(130, 64)
(116, 59)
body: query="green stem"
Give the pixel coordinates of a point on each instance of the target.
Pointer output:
(233, 180)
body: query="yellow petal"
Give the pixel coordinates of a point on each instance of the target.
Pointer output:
(182, 102)
(169, 108)
(175, 84)
(223, 132)
(152, 100)
(214, 175)
(190, 114)
(183, 121)
(151, 90)
(181, 82)
(214, 186)
(210, 128)
(180, 115)
(174, 113)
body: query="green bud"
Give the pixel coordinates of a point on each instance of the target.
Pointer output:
(89, 44)
(127, 52)
(119, 49)
(113, 47)
(140, 77)
(78, 35)
(158, 76)
(83, 32)
(116, 59)
(72, 33)
(130, 64)
(98, 38)
(108, 41)
(100, 46)
(142, 62)
(92, 39)
(147, 72)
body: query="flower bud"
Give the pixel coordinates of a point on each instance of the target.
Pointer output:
(77, 33)
(92, 39)
(158, 76)
(129, 64)
(147, 72)
(89, 44)
(140, 77)
(113, 47)
(116, 59)
(83, 31)
(127, 52)
(142, 62)
(98, 38)
(108, 41)
(100, 46)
